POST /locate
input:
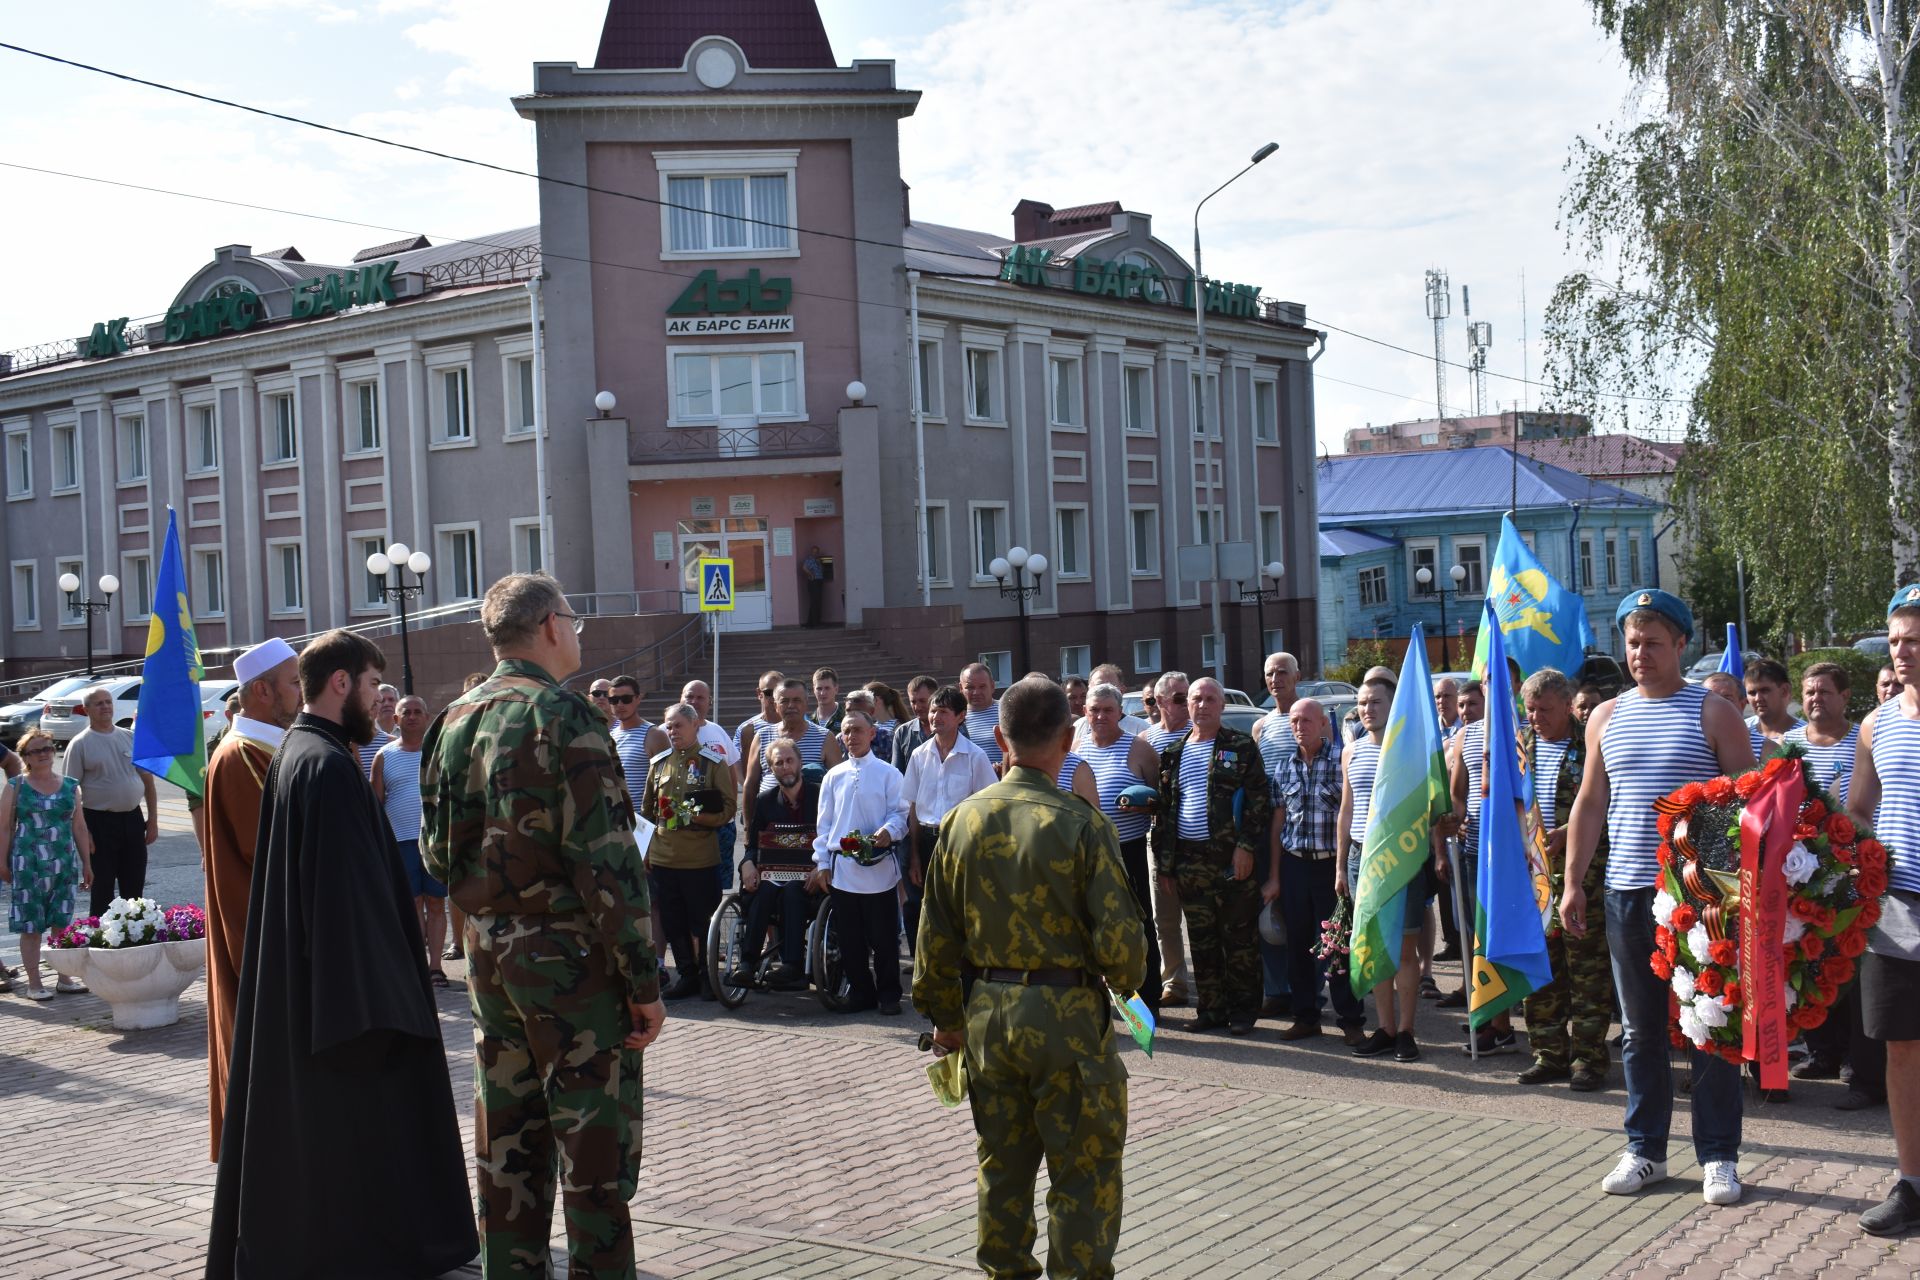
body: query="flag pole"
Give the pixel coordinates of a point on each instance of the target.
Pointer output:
(1463, 926)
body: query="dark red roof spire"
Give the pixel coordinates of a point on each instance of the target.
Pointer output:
(652, 34)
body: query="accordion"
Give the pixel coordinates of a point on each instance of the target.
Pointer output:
(784, 854)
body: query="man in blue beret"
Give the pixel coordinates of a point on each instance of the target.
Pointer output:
(1655, 737)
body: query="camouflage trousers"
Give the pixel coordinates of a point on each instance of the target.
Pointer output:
(1222, 917)
(556, 1097)
(1567, 1019)
(1044, 1082)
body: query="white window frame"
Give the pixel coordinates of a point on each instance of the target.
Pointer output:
(1134, 569)
(19, 480)
(1128, 426)
(197, 590)
(1635, 563)
(1263, 518)
(123, 429)
(1146, 656)
(939, 533)
(442, 363)
(522, 561)
(513, 405)
(995, 347)
(1583, 567)
(362, 543)
(1430, 439)
(1063, 513)
(977, 566)
(1210, 650)
(1213, 401)
(1360, 581)
(271, 396)
(933, 385)
(133, 608)
(1468, 587)
(999, 664)
(1272, 387)
(191, 438)
(444, 559)
(352, 438)
(729, 163)
(77, 566)
(1066, 371)
(1432, 590)
(66, 426)
(277, 604)
(29, 618)
(798, 350)
(1214, 520)
(1075, 660)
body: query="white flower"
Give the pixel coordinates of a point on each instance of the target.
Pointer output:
(1682, 984)
(1795, 930)
(1699, 944)
(1690, 1025)
(1791, 998)
(1663, 905)
(1799, 864)
(1711, 1010)
(112, 933)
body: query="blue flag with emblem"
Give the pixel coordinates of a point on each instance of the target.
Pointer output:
(168, 740)
(1730, 660)
(1542, 623)
(1509, 923)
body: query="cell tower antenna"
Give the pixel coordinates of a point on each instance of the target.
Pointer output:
(1479, 340)
(1439, 303)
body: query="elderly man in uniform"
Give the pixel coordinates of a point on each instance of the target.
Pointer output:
(689, 794)
(1043, 1078)
(525, 818)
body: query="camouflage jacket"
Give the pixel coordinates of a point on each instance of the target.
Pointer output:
(1236, 775)
(1024, 876)
(1572, 772)
(524, 812)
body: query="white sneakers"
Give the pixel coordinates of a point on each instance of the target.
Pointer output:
(1633, 1173)
(1719, 1179)
(1720, 1182)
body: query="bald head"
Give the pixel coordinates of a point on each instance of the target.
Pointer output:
(696, 695)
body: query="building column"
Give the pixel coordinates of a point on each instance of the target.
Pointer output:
(93, 421)
(864, 549)
(1107, 474)
(333, 494)
(610, 506)
(250, 534)
(417, 429)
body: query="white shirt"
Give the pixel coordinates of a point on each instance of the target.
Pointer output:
(860, 794)
(259, 730)
(935, 784)
(712, 734)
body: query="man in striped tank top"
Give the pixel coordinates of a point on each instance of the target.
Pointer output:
(1886, 793)
(1169, 694)
(1767, 685)
(1120, 760)
(815, 744)
(1655, 737)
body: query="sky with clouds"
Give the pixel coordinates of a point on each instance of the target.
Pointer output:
(1411, 135)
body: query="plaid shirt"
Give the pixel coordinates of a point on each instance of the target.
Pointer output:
(1309, 794)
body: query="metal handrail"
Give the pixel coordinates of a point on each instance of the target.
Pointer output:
(690, 636)
(710, 443)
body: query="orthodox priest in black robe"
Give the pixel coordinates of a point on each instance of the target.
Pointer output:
(341, 1158)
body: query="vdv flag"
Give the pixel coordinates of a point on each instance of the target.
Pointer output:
(168, 740)
(1409, 791)
(1730, 660)
(1544, 624)
(1509, 931)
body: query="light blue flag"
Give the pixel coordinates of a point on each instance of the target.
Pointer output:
(1544, 624)
(1730, 660)
(168, 741)
(1510, 941)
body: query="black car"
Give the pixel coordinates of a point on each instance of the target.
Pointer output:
(1601, 671)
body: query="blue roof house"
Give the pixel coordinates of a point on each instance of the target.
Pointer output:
(1385, 517)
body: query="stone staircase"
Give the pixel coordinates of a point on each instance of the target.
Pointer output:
(797, 651)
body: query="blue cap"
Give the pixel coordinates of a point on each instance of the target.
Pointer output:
(1664, 603)
(1138, 797)
(1907, 597)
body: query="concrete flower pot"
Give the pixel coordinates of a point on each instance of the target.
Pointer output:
(141, 984)
(68, 962)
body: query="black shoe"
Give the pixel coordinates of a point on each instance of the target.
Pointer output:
(1374, 1045)
(1491, 1042)
(1815, 1069)
(1453, 1000)
(860, 1006)
(1302, 1029)
(1587, 1080)
(742, 977)
(1541, 1073)
(707, 992)
(681, 987)
(1208, 1022)
(1898, 1214)
(1240, 1027)
(1275, 1007)
(784, 977)
(1448, 952)
(1404, 1049)
(1352, 1037)
(891, 1008)
(1859, 1100)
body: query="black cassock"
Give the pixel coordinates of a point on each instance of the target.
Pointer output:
(341, 1156)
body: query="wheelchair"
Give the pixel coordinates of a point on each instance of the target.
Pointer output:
(726, 943)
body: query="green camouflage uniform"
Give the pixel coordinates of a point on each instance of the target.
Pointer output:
(1222, 913)
(1025, 876)
(1581, 993)
(526, 819)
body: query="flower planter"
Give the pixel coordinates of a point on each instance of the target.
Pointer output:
(141, 984)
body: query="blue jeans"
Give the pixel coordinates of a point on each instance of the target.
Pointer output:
(1644, 1058)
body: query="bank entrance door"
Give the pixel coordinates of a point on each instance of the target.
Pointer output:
(742, 539)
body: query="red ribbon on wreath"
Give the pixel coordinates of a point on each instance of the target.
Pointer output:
(1766, 833)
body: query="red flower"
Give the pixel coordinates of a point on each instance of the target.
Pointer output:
(1871, 884)
(1790, 954)
(1777, 766)
(1844, 854)
(1710, 981)
(1806, 908)
(1684, 918)
(1663, 854)
(1872, 854)
(1731, 1052)
(1733, 994)
(849, 845)
(1828, 917)
(1804, 831)
(1679, 1041)
(1662, 936)
(1839, 968)
(1690, 795)
(1747, 783)
(1807, 1016)
(664, 804)
(1869, 914)
(1664, 825)
(1840, 827)
(1719, 791)
(1673, 1004)
(1722, 951)
(1662, 967)
(1852, 942)
(1826, 992)
(1811, 946)
(1671, 950)
(1813, 812)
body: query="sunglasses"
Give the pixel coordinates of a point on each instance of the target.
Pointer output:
(622, 699)
(1178, 699)
(38, 751)
(600, 694)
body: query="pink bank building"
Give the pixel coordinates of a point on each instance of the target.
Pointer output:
(750, 346)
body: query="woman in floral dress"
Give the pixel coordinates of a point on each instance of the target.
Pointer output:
(45, 854)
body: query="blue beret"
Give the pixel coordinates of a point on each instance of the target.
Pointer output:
(1905, 598)
(1139, 796)
(1664, 603)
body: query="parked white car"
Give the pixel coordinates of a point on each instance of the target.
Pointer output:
(213, 706)
(21, 716)
(65, 716)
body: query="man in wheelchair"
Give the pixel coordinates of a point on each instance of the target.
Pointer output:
(773, 875)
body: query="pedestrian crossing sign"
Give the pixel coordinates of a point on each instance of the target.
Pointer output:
(716, 586)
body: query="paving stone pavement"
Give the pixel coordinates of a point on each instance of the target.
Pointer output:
(781, 1142)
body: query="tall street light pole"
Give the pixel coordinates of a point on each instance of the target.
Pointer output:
(1424, 576)
(396, 561)
(108, 584)
(1260, 595)
(1010, 570)
(1198, 289)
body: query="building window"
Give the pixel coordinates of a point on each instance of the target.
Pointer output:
(1146, 657)
(1613, 562)
(999, 665)
(1633, 557)
(1373, 586)
(939, 558)
(1136, 398)
(1586, 564)
(19, 465)
(66, 458)
(989, 538)
(520, 398)
(710, 387)
(1213, 405)
(1424, 554)
(1266, 411)
(528, 553)
(209, 584)
(363, 402)
(1471, 555)
(458, 564)
(1063, 401)
(1070, 543)
(1210, 649)
(1075, 660)
(1273, 640)
(287, 573)
(932, 402)
(283, 428)
(138, 587)
(203, 438)
(1269, 548)
(71, 615)
(26, 595)
(1143, 544)
(983, 385)
(371, 595)
(729, 214)
(133, 447)
(1430, 437)
(455, 406)
(1209, 524)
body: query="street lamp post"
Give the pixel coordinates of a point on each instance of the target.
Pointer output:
(396, 561)
(1260, 595)
(1200, 398)
(1010, 570)
(108, 584)
(1424, 576)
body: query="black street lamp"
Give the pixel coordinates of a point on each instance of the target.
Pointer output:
(1424, 576)
(109, 584)
(1010, 570)
(396, 561)
(1260, 597)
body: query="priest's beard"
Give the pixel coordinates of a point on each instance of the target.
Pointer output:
(356, 718)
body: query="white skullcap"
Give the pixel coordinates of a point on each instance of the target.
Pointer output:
(262, 658)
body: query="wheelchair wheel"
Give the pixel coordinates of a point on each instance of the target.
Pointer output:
(723, 950)
(823, 960)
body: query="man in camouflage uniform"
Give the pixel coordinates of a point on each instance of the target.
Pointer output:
(1581, 993)
(526, 819)
(1215, 808)
(1026, 897)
